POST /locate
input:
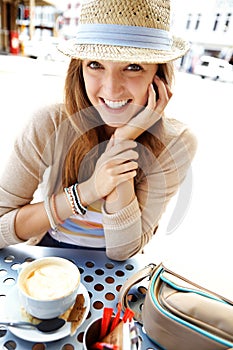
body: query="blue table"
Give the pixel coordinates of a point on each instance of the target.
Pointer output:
(101, 276)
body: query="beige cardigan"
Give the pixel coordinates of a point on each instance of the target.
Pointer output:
(37, 161)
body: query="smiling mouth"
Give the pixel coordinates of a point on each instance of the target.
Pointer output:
(115, 104)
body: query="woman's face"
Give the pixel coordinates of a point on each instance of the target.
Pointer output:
(117, 90)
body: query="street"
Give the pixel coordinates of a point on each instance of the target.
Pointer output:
(199, 239)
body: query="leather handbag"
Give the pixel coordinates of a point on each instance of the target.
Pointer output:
(178, 314)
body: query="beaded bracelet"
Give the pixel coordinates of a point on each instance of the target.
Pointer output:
(74, 200)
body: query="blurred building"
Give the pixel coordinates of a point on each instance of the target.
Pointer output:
(25, 19)
(70, 19)
(208, 27)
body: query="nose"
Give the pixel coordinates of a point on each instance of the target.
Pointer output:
(113, 84)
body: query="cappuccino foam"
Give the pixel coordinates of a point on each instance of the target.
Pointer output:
(49, 282)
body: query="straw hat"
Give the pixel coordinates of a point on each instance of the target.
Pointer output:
(125, 30)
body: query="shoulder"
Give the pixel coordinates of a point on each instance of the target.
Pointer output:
(48, 118)
(44, 124)
(178, 135)
(47, 126)
(175, 128)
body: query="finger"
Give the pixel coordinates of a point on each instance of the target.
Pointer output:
(126, 156)
(126, 177)
(164, 95)
(164, 87)
(151, 105)
(151, 97)
(161, 88)
(123, 168)
(169, 92)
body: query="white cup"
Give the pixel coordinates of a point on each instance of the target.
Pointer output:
(48, 286)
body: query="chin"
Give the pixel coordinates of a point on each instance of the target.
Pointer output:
(115, 124)
(114, 120)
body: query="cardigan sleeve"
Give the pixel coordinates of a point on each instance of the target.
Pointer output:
(130, 229)
(24, 171)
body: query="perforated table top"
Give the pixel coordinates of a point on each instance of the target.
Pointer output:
(101, 276)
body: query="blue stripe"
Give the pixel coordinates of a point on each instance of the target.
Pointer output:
(182, 289)
(123, 35)
(74, 227)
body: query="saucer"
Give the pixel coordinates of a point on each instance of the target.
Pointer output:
(13, 313)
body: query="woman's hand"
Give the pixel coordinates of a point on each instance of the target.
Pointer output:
(115, 166)
(150, 114)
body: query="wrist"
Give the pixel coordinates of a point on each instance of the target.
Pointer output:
(127, 132)
(73, 198)
(87, 193)
(62, 205)
(120, 134)
(120, 198)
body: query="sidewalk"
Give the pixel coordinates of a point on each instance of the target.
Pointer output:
(17, 64)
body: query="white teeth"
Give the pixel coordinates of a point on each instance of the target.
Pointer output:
(115, 104)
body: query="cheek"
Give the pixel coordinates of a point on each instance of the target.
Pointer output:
(141, 95)
(89, 91)
(141, 88)
(144, 98)
(90, 85)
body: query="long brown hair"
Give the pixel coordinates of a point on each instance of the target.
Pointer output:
(90, 133)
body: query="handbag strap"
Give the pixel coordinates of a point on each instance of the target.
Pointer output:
(147, 271)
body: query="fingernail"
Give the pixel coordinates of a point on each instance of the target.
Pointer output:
(152, 87)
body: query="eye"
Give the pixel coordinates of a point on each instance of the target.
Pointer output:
(94, 65)
(134, 67)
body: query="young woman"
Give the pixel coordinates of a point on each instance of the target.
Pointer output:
(107, 161)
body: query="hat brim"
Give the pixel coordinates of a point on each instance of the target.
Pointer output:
(123, 53)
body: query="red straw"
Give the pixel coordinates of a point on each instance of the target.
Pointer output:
(117, 318)
(129, 314)
(107, 314)
(104, 346)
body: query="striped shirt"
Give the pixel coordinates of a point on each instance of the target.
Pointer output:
(86, 230)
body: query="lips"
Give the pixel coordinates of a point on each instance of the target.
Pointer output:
(116, 113)
(115, 104)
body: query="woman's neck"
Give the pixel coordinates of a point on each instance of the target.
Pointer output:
(109, 130)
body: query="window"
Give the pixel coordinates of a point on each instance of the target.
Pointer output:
(216, 21)
(198, 21)
(188, 21)
(227, 23)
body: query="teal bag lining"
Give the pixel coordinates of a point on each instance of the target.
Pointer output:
(179, 320)
(182, 289)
